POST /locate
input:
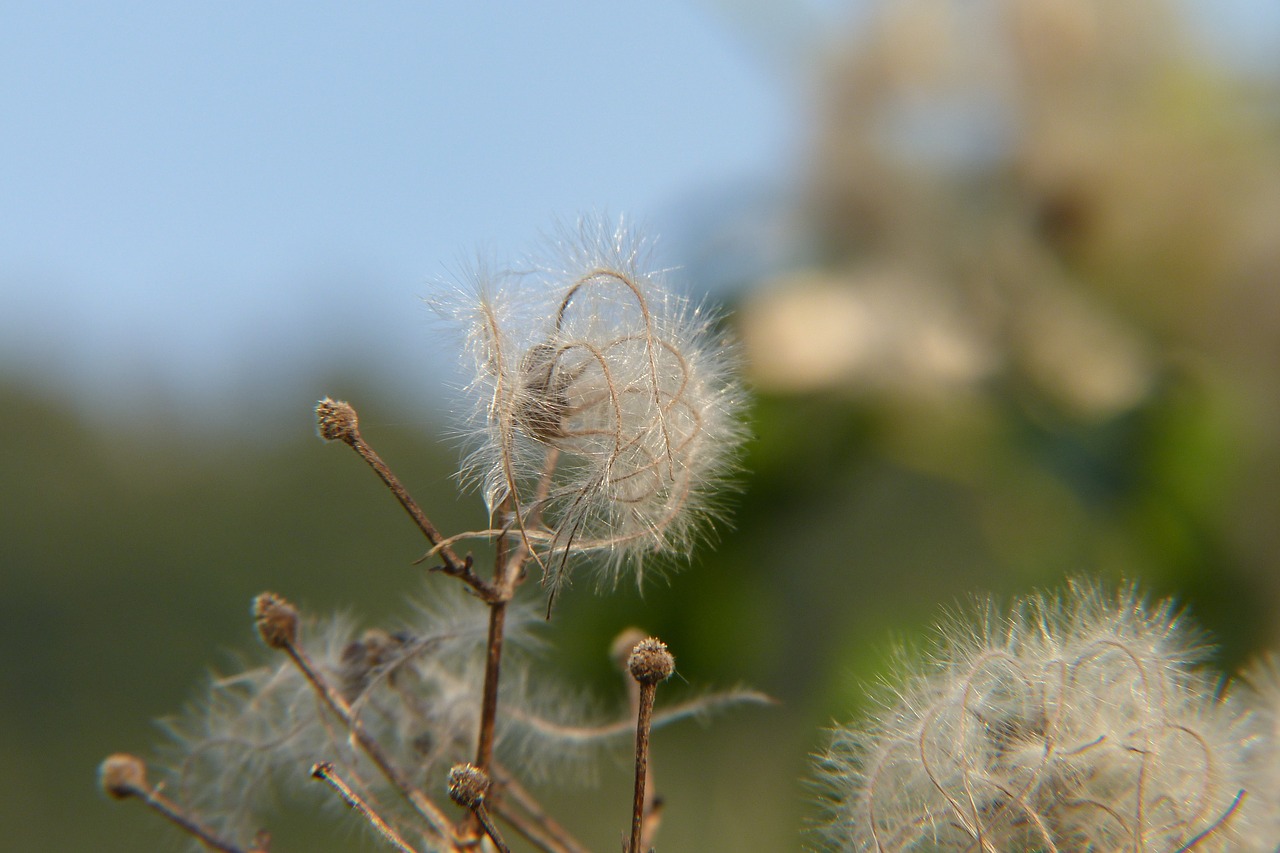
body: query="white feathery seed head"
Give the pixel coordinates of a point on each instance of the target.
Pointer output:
(253, 734)
(607, 406)
(1261, 692)
(1067, 724)
(416, 691)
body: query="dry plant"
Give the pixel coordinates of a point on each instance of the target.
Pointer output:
(606, 414)
(1073, 723)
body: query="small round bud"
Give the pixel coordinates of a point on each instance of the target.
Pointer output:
(123, 776)
(277, 620)
(467, 785)
(650, 661)
(336, 420)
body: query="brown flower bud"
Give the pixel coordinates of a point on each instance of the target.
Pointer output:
(336, 420)
(650, 661)
(123, 776)
(277, 620)
(467, 785)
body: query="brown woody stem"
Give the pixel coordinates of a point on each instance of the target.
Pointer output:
(349, 434)
(170, 811)
(644, 721)
(492, 670)
(650, 664)
(324, 771)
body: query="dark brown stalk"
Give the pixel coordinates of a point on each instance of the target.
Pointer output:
(324, 772)
(492, 669)
(650, 664)
(469, 787)
(482, 815)
(338, 422)
(124, 777)
(508, 572)
(643, 723)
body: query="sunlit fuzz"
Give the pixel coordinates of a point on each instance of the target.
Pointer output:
(607, 406)
(415, 690)
(1262, 694)
(1072, 723)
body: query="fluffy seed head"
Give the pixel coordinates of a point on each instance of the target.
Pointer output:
(607, 406)
(1069, 724)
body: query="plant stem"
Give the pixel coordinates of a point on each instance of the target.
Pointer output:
(482, 815)
(492, 670)
(453, 565)
(324, 771)
(168, 809)
(643, 722)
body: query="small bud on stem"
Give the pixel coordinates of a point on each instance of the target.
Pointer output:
(650, 664)
(324, 771)
(124, 776)
(277, 620)
(336, 420)
(468, 786)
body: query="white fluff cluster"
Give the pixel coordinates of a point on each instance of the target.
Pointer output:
(416, 691)
(255, 734)
(607, 410)
(1071, 724)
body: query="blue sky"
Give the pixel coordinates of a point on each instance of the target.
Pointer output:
(197, 193)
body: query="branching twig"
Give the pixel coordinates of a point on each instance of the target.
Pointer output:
(468, 786)
(125, 776)
(277, 622)
(338, 422)
(650, 664)
(324, 772)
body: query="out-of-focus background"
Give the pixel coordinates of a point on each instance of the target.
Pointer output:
(1006, 274)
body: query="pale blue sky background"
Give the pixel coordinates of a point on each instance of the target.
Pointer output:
(193, 194)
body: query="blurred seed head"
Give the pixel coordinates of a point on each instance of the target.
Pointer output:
(1074, 723)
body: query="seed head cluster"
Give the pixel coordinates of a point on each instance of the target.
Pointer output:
(607, 410)
(1080, 723)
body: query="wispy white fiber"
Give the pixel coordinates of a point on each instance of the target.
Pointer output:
(607, 409)
(1073, 723)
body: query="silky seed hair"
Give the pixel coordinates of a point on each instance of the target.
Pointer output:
(1081, 722)
(607, 406)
